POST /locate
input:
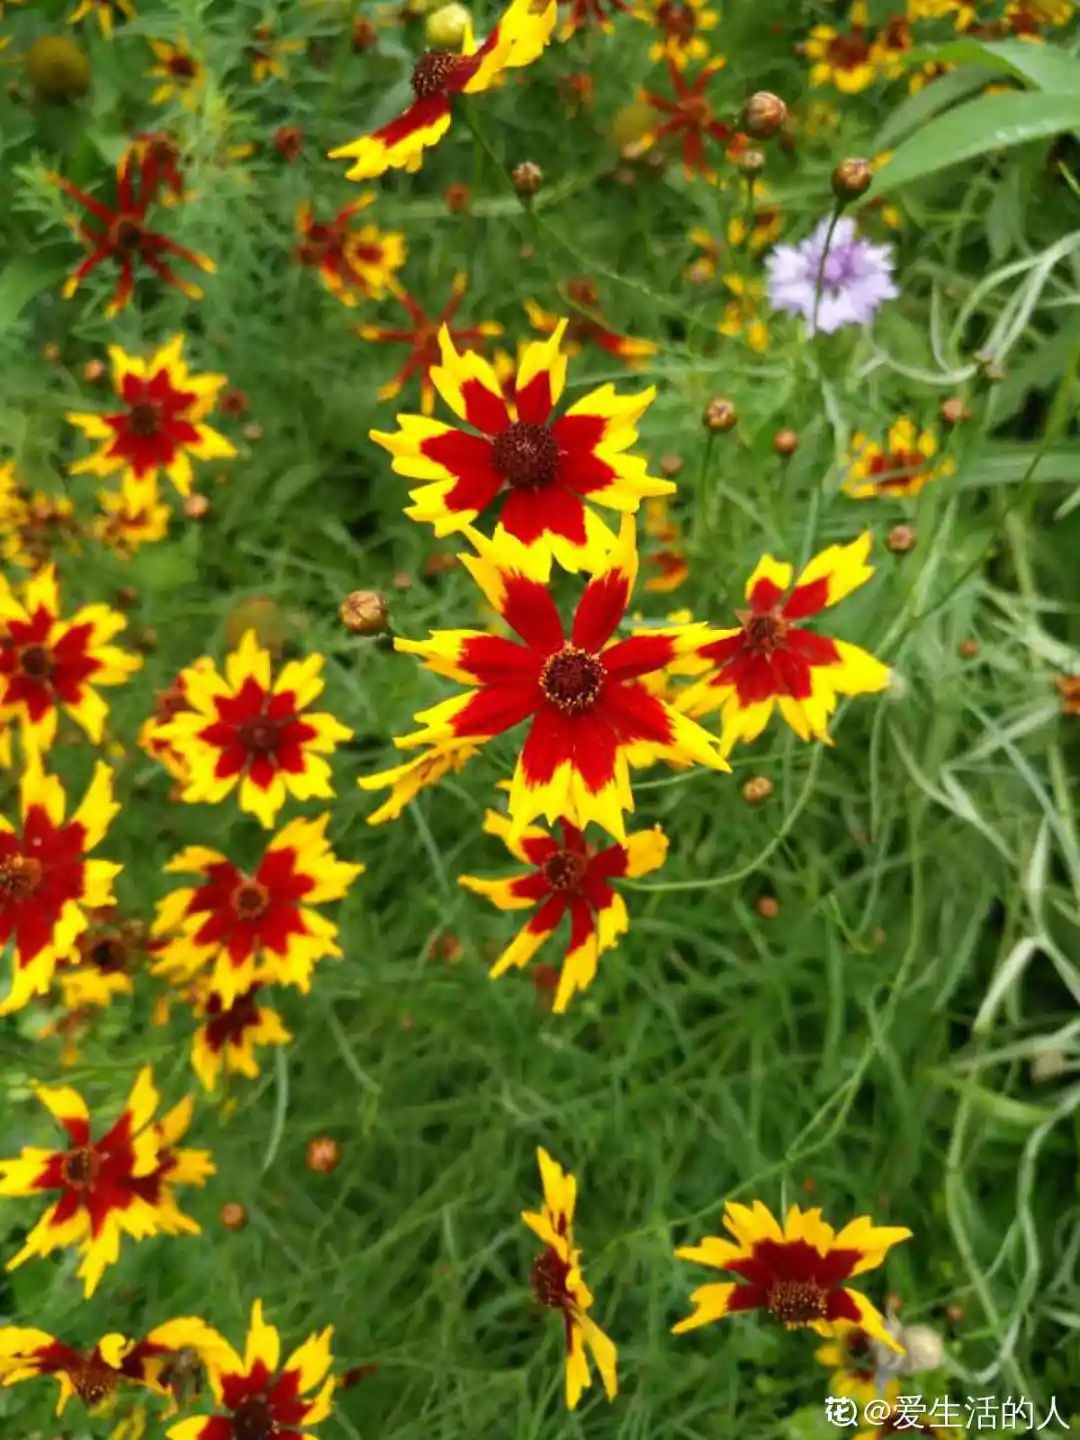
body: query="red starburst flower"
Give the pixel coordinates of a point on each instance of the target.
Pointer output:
(587, 326)
(691, 117)
(423, 341)
(567, 877)
(123, 235)
(353, 263)
(590, 717)
(229, 1035)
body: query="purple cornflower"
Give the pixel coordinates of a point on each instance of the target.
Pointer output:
(856, 279)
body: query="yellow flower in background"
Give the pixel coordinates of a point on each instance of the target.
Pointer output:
(266, 54)
(765, 224)
(229, 1035)
(32, 524)
(795, 1272)
(178, 73)
(406, 781)
(899, 468)
(558, 1283)
(130, 517)
(845, 59)
(106, 12)
(848, 1353)
(681, 27)
(742, 313)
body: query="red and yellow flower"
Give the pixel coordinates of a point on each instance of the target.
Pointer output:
(117, 1185)
(765, 225)
(796, 1273)
(48, 664)
(588, 327)
(258, 1396)
(32, 524)
(242, 928)
(668, 560)
(772, 660)
(102, 963)
(681, 25)
(846, 59)
(353, 263)
(537, 470)
(48, 886)
(106, 12)
(423, 341)
(246, 729)
(130, 517)
(167, 703)
(517, 39)
(406, 781)
(567, 876)
(178, 72)
(162, 425)
(590, 716)
(558, 1283)
(848, 1353)
(95, 1375)
(229, 1035)
(123, 235)
(691, 118)
(266, 54)
(742, 313)
(582, 14)
(900, 468)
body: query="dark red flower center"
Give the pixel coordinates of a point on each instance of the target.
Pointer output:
(856, 1342)
(93, 1381)
(109, 954)
(848, 51)
(253, 1419)
(260, 735)
(144, 419)
(548, 1279)
(431, 73)
(36, 662)
(80, 1167)
(127, 234)
(571, 679)
(796, 1302)
(696, 109)
(897, 468)
(20, 875)
(182, 66)
(526, 455)
(250, 900)
(565, 870)
(678, 20)
(763, 634)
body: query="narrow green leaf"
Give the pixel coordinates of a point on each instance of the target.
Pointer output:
(992, 122)
(22, 279)
(1045, 67)
(916, 109)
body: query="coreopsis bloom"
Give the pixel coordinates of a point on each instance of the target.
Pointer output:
(423, 341)
(848, 1353)
(899, 468)
(558, 1283)
(167, 703)
(162, 425)
(130, 518)
(668, 561)
(266, 54)
(566, 877)
(590, 717)
(239, 928)
(845, 59)
(229, 1035)
(178, 72)
(174, 1167)
(353, 263)
(518, 39)
(106, 12)
(765, 224)
(123, 235)
(581, 14)
(246, 729)
(257, 1397)
(101, 965)
(537, 470)
(856, 280)
(406, 781)
(95, 1375)
(49, 664)
(691, 117)
(32, 524)
(107, 1188)
(797, 1273)
(773, 660)
(681, 25)
(742, 312)
(159, 153)
(48, 886)
(584, 329)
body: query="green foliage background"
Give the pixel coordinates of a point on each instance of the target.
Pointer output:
(872, 1046)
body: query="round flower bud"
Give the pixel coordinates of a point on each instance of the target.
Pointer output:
(51, 352)
(93, 371)
(756, 790)
(196, 506)
(924, 1349)
(786, 442)
(954, 411)
(58, 68)
(233, 402)
(363, 35)
(446, 27)
(751, 162)
(720, 414)
(233, 1215)
(954, 1314)
(969, 649)
(851, 178)
(127, 597)
(288, 142)
(323, 1154)
(900, 539)
(261, 614)
(456, 199)
(764, 115)
(253, 432)
(767, 906)
(527, 178)
(671, 466)
(365, 612)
